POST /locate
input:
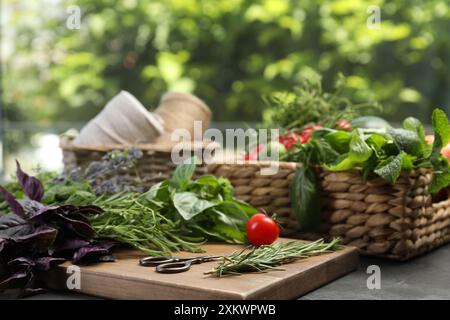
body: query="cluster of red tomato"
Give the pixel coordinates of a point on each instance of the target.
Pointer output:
(292, 138)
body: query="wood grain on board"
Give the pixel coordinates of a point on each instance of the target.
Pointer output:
(125, 279)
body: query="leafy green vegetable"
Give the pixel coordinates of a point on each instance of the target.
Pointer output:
(183, 173)
(305, 198)
(441, 131)
(189, 205)
(359, 153)
(385, 152)
(408, 141)
(391, 168)
(309, 103)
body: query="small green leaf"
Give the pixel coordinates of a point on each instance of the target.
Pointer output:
(339, 140)
(305, 198)
(189, 205)
(441, 127)
(391, 168)
(159, 192)
(441, 175)
(183, 173)
(359, 153)
(407, 140)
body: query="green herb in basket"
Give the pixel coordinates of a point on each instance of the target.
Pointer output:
(383, 152)
(310, 103)
(270, 257)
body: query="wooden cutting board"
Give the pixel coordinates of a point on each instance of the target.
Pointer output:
(125, 279)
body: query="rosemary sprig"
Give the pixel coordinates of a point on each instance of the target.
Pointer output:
(271, 256)
(127, 218)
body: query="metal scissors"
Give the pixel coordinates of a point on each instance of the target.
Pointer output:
(167, 264)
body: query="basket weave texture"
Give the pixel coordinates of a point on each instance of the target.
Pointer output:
(270, 193)
(155, 165)
(397, 221)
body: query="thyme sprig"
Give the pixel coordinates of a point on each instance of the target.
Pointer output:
(269, 257)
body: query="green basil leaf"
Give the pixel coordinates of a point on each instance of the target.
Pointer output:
(441, 131)
(359, 153)
(339, 140)
(390, 168)
(441, 175)
(189, 205)
(183, 173)
(416, 126)
(376, 142)
(407, 140)
(159, 192)
(305, 199)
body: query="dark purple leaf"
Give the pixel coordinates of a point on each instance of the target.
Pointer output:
(2, 244)
(21, 262)
(45, 263)
(92, 253)
(10, 220)
(12, 202)
(90, 210)
(31, 186)
(81, 228)
(30, 288)
(15, 279)
(37, 211)
(64, 245)
(38, 238)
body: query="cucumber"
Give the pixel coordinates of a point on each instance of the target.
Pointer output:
(370, 122)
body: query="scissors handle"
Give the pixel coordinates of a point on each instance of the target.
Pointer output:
(156, 261)
(174, 267)
(183, 265)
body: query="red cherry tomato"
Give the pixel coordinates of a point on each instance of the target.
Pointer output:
(262, 229)
(307, 132)
(344, 125)
(291, 138)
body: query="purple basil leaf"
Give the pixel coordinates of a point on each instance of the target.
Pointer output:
(15, 279)
(28, 292)
(81, 228)
(89, 209)
(32, 208)
(45, 263)
(64, 245)
(10, 220)
(31, 186)
(12, 202)
(92, 253)
(39, 238)
(21, 262)
(2, 244)
(30, 288)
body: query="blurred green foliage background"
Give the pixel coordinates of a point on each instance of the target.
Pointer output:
(230, 53)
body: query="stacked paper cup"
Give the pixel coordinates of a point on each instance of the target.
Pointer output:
(125, 121)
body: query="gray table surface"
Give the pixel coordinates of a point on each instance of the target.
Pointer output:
(425, 277)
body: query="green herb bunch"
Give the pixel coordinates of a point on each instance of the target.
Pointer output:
(383, 152)
(177, 214)
(269, 257)
(309, 103)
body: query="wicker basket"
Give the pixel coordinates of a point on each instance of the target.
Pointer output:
(155, 165)
(397, 221)
(268, 193)
(394, 221)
